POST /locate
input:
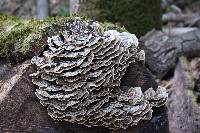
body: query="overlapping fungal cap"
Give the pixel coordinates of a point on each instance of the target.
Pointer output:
(79, 78)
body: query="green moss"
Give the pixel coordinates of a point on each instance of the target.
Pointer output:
(138, 16)
(23, 36)
(17, 35)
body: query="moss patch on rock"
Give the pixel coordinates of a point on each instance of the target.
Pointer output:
(20, 39)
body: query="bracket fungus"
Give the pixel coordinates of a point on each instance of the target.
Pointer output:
(79, 77)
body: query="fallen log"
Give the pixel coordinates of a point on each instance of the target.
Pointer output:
(187, 19)
(162, 50)
(178, 30)
(183, 112)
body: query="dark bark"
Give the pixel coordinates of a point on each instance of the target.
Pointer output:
(138, 75)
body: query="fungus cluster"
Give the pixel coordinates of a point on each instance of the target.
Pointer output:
(79, 76)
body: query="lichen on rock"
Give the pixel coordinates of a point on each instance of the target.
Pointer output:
(79, 75)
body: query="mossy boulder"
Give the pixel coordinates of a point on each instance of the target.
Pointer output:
(138, 16)
(22, 39)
